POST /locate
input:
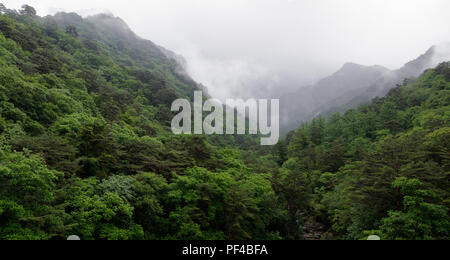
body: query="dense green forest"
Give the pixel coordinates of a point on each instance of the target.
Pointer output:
(86, 149)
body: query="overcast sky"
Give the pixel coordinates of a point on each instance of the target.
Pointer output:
(236, 47)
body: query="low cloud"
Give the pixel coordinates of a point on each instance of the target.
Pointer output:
(250, 47)
(231, 78)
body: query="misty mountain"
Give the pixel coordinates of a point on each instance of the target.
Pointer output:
(112, 33)
(351, 86)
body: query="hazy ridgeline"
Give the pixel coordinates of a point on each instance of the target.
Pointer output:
(352, 86)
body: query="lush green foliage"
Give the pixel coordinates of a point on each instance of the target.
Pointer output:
(86, 149)
(383, 167)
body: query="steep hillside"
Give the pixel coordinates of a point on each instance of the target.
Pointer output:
(86, 148)
(381, 168)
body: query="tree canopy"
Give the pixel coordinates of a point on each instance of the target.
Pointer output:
(86, 149)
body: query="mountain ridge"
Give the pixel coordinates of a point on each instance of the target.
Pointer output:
(352, 85)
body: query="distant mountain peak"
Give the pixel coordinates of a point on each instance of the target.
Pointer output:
(442, 47)
(430, 59)
(442, 52)
(354, 84)
(111, 22)
(351, 67)
(110, 18)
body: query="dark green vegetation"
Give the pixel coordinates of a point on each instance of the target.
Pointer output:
(382, 167)
(86, 149)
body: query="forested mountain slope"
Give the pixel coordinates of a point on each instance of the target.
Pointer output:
(383, 167)
(86, 149)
